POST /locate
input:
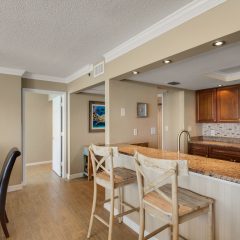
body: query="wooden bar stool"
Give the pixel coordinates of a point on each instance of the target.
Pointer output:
(110, 178)
(168, 202)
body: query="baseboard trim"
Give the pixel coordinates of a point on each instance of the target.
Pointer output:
(14, 188)
(38, 163)
(75, 175)
(126, 220)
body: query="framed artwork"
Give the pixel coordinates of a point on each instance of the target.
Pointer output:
(142, 110)
(96, 116)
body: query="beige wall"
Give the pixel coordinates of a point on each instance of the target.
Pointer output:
(10, 121)
(79, 134)
(43, 85)
(126, 95)
(37, 127)
(178, 113)
(173, 118)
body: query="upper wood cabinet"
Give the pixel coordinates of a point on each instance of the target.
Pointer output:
(206, 105)
(228, 102)
(218, 105)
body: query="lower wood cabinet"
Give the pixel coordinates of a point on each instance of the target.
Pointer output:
(225, 153)
(198, 149)
(215, 151)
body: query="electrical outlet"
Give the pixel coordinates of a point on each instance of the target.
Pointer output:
(135, 131)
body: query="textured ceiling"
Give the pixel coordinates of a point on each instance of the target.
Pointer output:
(193, 73)
(58, 37)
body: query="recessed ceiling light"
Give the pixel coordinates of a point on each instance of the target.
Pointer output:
(220, 85)
(218, 43)
(167, 61)
(135, 72)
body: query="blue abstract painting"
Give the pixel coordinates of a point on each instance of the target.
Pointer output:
(97, 116)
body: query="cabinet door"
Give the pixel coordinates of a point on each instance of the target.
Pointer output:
(198, 149)
(206, 106)
(228, 104)
(225, 153)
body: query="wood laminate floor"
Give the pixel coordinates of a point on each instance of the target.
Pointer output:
(51, 208)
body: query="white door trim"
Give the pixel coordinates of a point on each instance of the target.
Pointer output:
(161, 96)
(64, 146)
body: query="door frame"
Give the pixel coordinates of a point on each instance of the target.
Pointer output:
(160, 95)
(64, 130)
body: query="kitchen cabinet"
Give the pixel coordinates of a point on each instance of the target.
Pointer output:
(198, 149)
(228, 102)
(226, 153)
(215, 151)
(206, 105)
(220, 105)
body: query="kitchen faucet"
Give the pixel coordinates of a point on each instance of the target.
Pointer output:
(179, 139)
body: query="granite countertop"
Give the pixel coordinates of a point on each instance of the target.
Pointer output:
(229, 171)
(217, 141)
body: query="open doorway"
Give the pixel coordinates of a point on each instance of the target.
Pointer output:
(44, 128)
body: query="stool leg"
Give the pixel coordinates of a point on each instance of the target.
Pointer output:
(120, 206)
(111, 218)
(93, 210)
(211, 223)
(175, 233)
(142, 222)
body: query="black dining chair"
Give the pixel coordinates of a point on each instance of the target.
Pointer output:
(4, 180)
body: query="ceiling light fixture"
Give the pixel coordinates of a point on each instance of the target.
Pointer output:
(220, 85)
(218, 43)
(135, 72)
(167, 61)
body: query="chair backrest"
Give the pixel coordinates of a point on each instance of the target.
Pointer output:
(105, 163)
(152, 173)
(5, 175)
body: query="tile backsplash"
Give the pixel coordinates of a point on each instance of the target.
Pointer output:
(231, 130)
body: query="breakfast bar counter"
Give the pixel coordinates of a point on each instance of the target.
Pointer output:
(214, 178)
(225, 170)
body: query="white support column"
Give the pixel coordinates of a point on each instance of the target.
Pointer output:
(107, 111)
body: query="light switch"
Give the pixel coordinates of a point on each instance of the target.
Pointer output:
(153, 130)
(122, 112)
(166, 128)
(135, 131)
(189, 128)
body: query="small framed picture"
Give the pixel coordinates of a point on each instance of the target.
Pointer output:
(96, 116)
(142, 110)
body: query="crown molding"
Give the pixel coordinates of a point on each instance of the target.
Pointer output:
(227, 77)
(43, 77)
(12, 71)
(173, 20)
(84, 70)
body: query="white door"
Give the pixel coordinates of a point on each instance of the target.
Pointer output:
(57, 135)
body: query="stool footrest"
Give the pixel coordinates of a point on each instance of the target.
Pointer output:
(157, 231)
(127, 205)
(127, 212)
(101, 220)
(108, 200)
(182, 237)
